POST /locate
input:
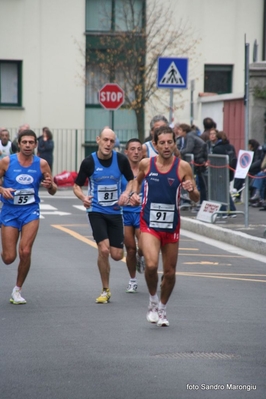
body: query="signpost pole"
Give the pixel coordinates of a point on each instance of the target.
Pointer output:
(111, 119)
(246, 102)
(171, 106)
(192, 88)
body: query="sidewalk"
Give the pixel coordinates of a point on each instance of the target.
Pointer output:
(232, 230)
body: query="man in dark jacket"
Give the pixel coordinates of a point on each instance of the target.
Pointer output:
(223, 147)
(196, 146)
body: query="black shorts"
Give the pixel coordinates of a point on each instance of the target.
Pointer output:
(109, 227)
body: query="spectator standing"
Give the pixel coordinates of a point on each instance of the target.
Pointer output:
(179, 140)
(223, 147)
(6, 146)
(213, 139)
(208, 124)
(26, 126)
(131, 217)
(196, 146)
(259, 184)
(104, 169)
(160, 219)
(20, 212)
(45, 147)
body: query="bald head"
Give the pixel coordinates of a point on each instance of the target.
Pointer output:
(107, 130)
(106, 143)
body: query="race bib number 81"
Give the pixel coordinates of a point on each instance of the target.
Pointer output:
(107, 195)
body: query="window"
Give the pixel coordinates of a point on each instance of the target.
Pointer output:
(98, 15)
(96, 78)
(218, 79)
(114, 15)
(10, 83)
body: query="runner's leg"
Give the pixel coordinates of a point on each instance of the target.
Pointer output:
(169, 256)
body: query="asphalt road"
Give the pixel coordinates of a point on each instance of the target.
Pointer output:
(62, 345)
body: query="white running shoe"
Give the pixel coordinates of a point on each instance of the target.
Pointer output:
(162, 322)
(132, 286)
(16, 297)
(140, 263)
(152, 315)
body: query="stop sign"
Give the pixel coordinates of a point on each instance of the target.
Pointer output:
(111, 96)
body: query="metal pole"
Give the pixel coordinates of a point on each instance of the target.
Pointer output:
(192, 88)
(171, 106)
(76, 150)
(246, 102)
(111, 119)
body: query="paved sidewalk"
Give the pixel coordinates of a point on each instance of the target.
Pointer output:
(232, 230)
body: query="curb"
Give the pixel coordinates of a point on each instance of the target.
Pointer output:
(238, 239)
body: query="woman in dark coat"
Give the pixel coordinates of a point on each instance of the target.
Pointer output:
(45, 147)
(223, 147)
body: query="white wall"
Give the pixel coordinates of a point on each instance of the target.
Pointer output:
(46, 36)
(220, 27)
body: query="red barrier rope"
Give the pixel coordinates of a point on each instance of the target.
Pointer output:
(208, 164)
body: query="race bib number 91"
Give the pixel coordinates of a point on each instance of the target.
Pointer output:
(162, 216)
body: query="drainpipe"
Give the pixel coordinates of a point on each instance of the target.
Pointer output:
(264, 33)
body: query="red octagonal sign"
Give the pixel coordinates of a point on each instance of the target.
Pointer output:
(111, 96)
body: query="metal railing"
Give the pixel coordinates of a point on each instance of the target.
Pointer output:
(219, 183)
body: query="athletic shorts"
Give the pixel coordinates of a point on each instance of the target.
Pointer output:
(18, 216)
(163, 237)
(105, 226)
(131, 219)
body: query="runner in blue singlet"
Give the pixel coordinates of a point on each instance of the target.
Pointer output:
(105, 169)
(23, 173)
(131, 216)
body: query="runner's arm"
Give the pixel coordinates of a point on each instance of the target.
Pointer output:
(48, 182)
(5, 192)
(188, 181)
(137, 182)
(85, 171)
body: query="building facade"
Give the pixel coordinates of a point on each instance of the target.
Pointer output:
(47, 79)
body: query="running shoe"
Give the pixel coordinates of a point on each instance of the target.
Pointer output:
(162, 322)
(104, 297)
(140, 263)
(152, 315)
(16, 297)
(132, 286)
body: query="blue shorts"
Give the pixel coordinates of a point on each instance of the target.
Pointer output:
(131, 219)
(18, 216)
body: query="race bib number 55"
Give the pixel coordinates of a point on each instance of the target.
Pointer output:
(24, 197)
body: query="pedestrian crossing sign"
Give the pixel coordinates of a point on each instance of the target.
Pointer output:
(172, 73)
